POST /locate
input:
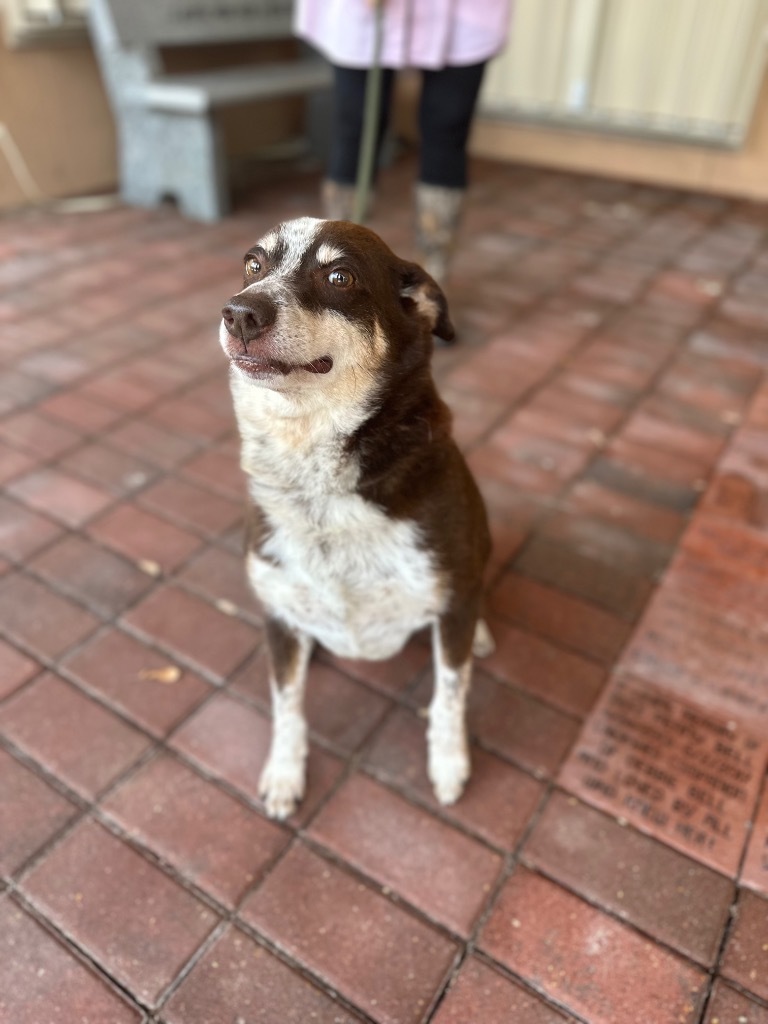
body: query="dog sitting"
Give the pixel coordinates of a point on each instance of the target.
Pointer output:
(365, 522)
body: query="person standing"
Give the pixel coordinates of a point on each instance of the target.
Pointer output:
(450, 42)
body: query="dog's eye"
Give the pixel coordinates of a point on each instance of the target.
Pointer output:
(340, 278)
(252, 265)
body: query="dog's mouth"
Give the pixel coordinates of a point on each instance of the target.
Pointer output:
(261, 368)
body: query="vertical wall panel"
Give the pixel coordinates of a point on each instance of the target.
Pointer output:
(688, 68)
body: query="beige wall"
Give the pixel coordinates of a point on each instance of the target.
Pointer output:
(53, 106)
(742, 172)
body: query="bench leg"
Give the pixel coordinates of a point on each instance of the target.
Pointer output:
(180, 156)
(200, 171)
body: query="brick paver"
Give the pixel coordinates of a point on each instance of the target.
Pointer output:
(15, 668)
(122, 910)
(746, 955)
(144, 685)
(341, 711)
(442, 872)
(729, 1005)
(189, 627)
(39, 619)
(376, 954)
(238, 979)
(609, 860)
(755, 867)
(144, 537)
(31, 812)
(74, 738)
(667, 895)
(579, 956)
(496, 807)
(94, 575)
(482, 994)
(671, 768)
(41, 980)
(180, 817)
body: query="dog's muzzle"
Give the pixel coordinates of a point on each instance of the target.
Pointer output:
(247, 320)
(248, 317)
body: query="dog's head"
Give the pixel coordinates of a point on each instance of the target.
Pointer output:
(327, 303)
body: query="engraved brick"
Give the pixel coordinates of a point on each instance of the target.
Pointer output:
(674, 770)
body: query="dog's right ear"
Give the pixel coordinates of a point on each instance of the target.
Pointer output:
(422, 294)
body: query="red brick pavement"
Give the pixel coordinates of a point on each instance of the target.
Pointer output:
(609, 861)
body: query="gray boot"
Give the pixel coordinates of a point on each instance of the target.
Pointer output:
(438, 210)
(338, 200)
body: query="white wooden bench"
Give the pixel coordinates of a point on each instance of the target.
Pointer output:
(169, 139)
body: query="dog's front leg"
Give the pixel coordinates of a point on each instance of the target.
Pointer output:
(453, 636)
(281, 785)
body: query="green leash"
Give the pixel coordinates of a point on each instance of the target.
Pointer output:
(367, 156)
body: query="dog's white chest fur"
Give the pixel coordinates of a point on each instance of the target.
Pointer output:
(360, 588)
(333, 564)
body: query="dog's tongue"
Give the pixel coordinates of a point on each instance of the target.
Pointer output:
(322, 365)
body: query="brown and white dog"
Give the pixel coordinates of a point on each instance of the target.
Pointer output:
(365, 522)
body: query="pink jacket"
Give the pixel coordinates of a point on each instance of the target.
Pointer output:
(417, 33)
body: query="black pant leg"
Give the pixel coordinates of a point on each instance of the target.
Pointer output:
(448, 101)
(347, 121)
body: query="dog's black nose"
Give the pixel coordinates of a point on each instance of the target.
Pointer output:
(248, 319)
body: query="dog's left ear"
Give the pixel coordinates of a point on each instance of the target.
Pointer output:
(422, 293)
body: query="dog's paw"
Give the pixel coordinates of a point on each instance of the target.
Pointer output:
(448, 772)
(281, 788)
(483, 644)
